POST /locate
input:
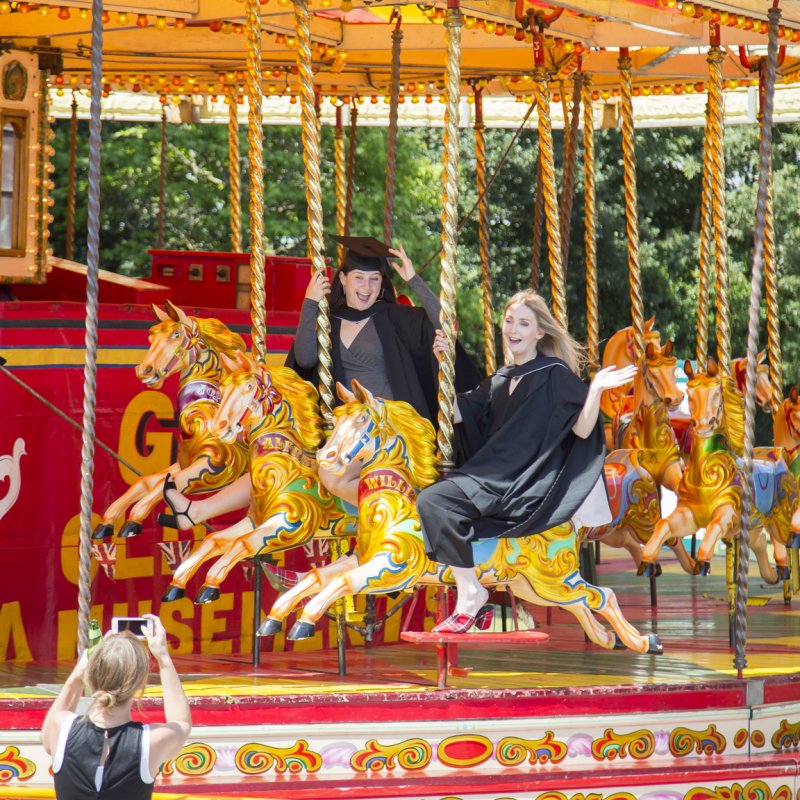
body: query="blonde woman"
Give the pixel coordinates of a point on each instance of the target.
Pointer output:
(534, 452)
(104, 754)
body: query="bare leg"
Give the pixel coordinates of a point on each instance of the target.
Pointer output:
(231, 498)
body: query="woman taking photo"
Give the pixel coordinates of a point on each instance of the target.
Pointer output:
(533, 451)
(104, 754)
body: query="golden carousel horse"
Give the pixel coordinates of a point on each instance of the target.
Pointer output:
(193, 347)
(277, 412)
(396, 448)
(649, 457)
(619, 352)
(710, 491)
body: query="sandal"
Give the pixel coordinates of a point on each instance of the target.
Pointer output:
(171, 520)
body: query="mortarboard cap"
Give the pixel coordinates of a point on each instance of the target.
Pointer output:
(363, 252)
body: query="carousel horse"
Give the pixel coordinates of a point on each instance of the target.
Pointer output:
(193, 347)
(786, 434)
(619, 352)
(710, 491)
(648, 458)
(278, 415)
(396, 449)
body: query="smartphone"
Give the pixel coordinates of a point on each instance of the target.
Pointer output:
(138, 626)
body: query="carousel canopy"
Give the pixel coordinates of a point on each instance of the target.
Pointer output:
(177, 49)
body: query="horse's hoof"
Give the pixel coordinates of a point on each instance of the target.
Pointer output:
(301, 630)
(658, 569)
(173, 593)
(784, 573)
(702, 567)
(270, 627)
(207, 595)
(794, 541)
(618, 643)
(105, 530)
(655, 647)
(167, 520)
(648, 569)
(130, 528)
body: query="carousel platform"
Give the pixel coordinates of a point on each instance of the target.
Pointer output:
(552, 720)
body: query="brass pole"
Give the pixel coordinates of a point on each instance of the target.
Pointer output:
(538, 221)
(547, 165)
(73, 160)
(453, 23)
(391, 141)
(340, 166)
(631, 203)
(489, 345)
(590, 230)
(235, 172)
(255, 159)
(351, 165)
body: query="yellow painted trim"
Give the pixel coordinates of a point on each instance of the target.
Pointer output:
(106, 357)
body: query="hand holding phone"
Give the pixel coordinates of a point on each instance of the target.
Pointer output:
(141, 627)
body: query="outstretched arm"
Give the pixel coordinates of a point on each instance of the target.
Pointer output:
(64, 704)
(405, 269)
(167, 740)
(608, 378)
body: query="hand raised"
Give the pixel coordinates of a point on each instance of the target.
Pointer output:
(405, 269)
(613, 378)
(318, 287)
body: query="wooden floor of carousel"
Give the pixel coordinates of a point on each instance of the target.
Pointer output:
(548, 721)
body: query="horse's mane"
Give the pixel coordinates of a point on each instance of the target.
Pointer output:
(219, 336)
(416, 431)
(304, 400)
(733, 403)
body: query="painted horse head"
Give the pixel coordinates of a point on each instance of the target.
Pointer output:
(763, 385)
(715, 405)
(786, 422)
(255, 397)
(656, 376)
(619, 349)
(373, 431)
(180, 343)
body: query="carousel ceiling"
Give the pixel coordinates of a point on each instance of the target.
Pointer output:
(177, 48)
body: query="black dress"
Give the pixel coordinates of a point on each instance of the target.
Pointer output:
(75, 767)
(525, 470)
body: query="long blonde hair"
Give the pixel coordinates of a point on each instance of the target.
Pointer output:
(556, 341)
(117, 670)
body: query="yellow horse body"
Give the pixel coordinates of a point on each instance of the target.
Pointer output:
(710, 491)
(193, 347)
(396, 448)
(278, 414)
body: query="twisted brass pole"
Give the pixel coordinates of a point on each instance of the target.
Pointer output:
(73, 160)
(550, 199)
(90, 361)
(162, 182)
(538, 221)
(391, 141)
(568, 174)
(631, 203)
(590, 230)
(489, 344)
(340, 166)
(351, 166)
(311, 160)
(255, 160)
(764, 169)
(718, 205)
(706, 248)
(773, 305)
(235, 172)
(447, 296)
(44, 169)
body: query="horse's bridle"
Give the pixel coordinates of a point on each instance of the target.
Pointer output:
(359, 443)
(191, 344)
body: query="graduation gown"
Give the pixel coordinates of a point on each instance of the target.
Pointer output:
(525, 470)
(406, 335)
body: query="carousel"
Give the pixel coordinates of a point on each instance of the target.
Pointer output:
(302, 624)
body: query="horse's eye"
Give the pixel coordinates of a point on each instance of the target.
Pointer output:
(176, 334)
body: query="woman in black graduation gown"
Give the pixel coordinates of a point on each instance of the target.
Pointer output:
(534, 452)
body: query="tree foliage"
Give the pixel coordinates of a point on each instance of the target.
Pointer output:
(669, 175)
